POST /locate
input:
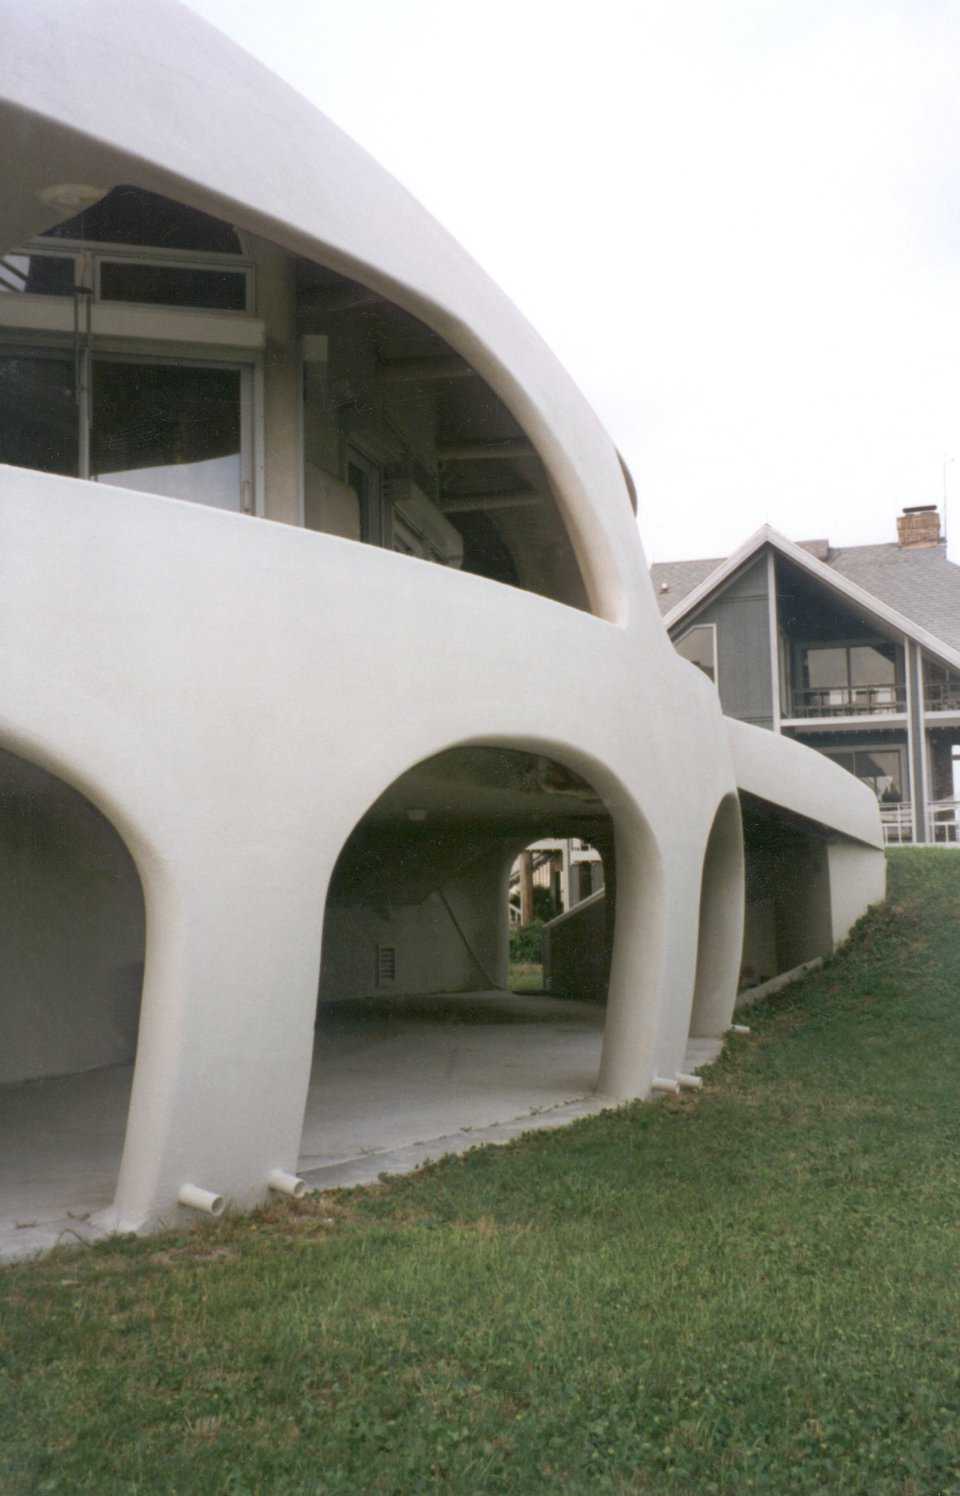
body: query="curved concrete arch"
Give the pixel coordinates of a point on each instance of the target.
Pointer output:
(639, 989)
(73, 930)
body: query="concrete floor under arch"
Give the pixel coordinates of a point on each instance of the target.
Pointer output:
(393, 1083)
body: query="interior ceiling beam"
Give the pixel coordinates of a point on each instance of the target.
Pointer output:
(486, 502)
(440, 366)
(324, 300)
(483, 451)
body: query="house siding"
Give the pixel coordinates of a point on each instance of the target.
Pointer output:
(741, 616)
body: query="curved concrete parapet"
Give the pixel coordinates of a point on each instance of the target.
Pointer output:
(810, 880)
(803, 782)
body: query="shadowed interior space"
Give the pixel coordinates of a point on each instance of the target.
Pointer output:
(72, 954)
(414, 988)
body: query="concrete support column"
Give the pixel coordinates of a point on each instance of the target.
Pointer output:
(653, 956)
(720, 942)
(858, 879)
(225, 1046)
(916, 739)
(526, 887)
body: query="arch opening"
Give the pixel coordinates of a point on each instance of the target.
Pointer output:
(288, 390)
(561, 930)
(418, 1033)
(72, 948)
(788, 918)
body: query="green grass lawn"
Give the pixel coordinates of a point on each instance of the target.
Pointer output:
(525, 976)
(753, 1289)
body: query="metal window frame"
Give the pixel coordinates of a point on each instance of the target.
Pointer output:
(901, 749)
(716, 648)
(134, 351)
(95, 251)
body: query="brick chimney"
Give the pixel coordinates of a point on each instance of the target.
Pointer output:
(918, 525)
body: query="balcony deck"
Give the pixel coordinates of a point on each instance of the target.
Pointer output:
(826, 702)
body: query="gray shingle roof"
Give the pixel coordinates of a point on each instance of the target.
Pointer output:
(680, 578)
(918, 581)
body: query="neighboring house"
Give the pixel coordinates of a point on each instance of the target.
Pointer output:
(854, 651)
(555, 874)
(322, 599)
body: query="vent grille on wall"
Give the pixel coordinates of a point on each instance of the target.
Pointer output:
(386, 965)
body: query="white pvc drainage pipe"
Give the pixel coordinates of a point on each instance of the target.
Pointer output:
(197, 1199)
(286, 1184)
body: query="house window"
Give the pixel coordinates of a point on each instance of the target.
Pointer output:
(38, 412)
(202, 286)
(37, 274)
(839, 678)
(175, 427)
(172, 428)
(699, 646)
(73, 403)
(880, 768)
(941, 687)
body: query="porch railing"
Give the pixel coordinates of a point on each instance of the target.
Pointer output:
(849, 701)
(897, 822)
(941, 698)
(943, 822)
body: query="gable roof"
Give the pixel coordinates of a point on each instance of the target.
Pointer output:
(915, 590)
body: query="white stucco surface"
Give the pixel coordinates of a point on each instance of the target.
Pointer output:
(233, 695)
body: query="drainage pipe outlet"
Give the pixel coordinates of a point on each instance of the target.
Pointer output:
(286, 1184)
(665, 1084)
(198, 1199)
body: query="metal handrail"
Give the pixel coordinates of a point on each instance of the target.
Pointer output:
(941, 698)
(897, 823)
(943, 822)
(849, 701)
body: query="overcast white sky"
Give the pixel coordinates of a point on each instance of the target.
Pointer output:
(737, 223)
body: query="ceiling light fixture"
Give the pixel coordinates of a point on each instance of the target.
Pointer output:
(71, 195)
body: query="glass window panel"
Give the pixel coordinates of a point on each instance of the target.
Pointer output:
(697, 646)
(173, 285)
(845, 760)
(880, 768)
(171, 429)
(39, 424)
(825, 667)
(872, 665)
(36, 275)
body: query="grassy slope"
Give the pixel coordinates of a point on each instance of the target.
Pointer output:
(755, 1289)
